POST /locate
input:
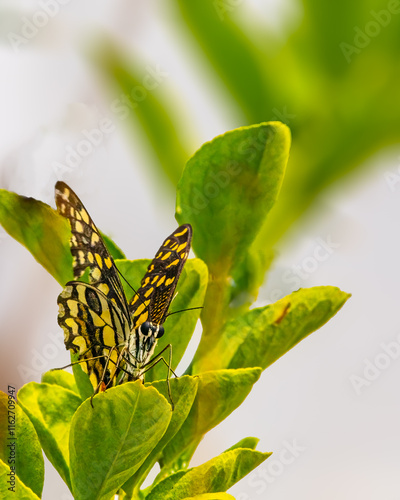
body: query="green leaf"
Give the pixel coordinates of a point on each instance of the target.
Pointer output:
(218, 394)
(112, 247)
(226, 191)
(50, 409)
(262, 335)
(44, 232)
(183, 391)
(61, 378)
(216, 475)
(20, 492)
(249, 442)
(85, 388)
(110, 441)
(41, 230)
(228, 187)
(19, 446)
(179, 328)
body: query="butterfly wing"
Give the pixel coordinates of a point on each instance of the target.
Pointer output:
(88, 248)
(94, 327)
(152, 300)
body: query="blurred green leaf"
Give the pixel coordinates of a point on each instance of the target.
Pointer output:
(110, 441)
(183, 391)
(23, 491)
(41, 230)
(216, 475)
(179, 328)
(50, 409)
(19, 448)
(231, 53)
(139, 100)
(218, 394)
(262, 335)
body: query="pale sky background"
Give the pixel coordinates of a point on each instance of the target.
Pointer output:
(347, 440)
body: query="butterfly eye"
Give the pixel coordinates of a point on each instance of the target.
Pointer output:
(146, 328)
(160, 332)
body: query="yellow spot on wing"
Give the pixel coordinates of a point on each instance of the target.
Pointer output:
(146, 281)
(164, 257)
(99, 260)
(93, 379)
(140, 309)
(143, 317)
(95, 238)
(81, 343)
(169, 281)
(85, 216)
(96, 274)
(167, 242)
(149, 292)
(78, 227)
(73, 307)
(90, 257)
(182, 232)
(73, 325)
(108, 336)
(181, 247)
(154, 280)
(103, 287)
(97, 320)
(108, 262)
(173, 263)
(161, 280)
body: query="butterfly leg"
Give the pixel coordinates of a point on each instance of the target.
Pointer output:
(157, 360)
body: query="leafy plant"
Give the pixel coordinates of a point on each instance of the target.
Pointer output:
(226, 192)
(313, 74)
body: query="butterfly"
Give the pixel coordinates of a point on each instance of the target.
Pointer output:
(114, 338)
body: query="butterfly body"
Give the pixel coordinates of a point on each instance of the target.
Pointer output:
(115, 338)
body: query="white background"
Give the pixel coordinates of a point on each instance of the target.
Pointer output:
(347, 440)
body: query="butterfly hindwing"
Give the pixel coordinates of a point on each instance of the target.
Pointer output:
(88, 248)
(152, 300)
(92, 325)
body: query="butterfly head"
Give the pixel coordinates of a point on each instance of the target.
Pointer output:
(143, 341)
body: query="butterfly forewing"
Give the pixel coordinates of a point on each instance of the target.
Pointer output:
(88, 248)
(152, 300)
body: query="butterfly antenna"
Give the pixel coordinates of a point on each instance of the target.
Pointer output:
(127, 282)
(183, 310)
